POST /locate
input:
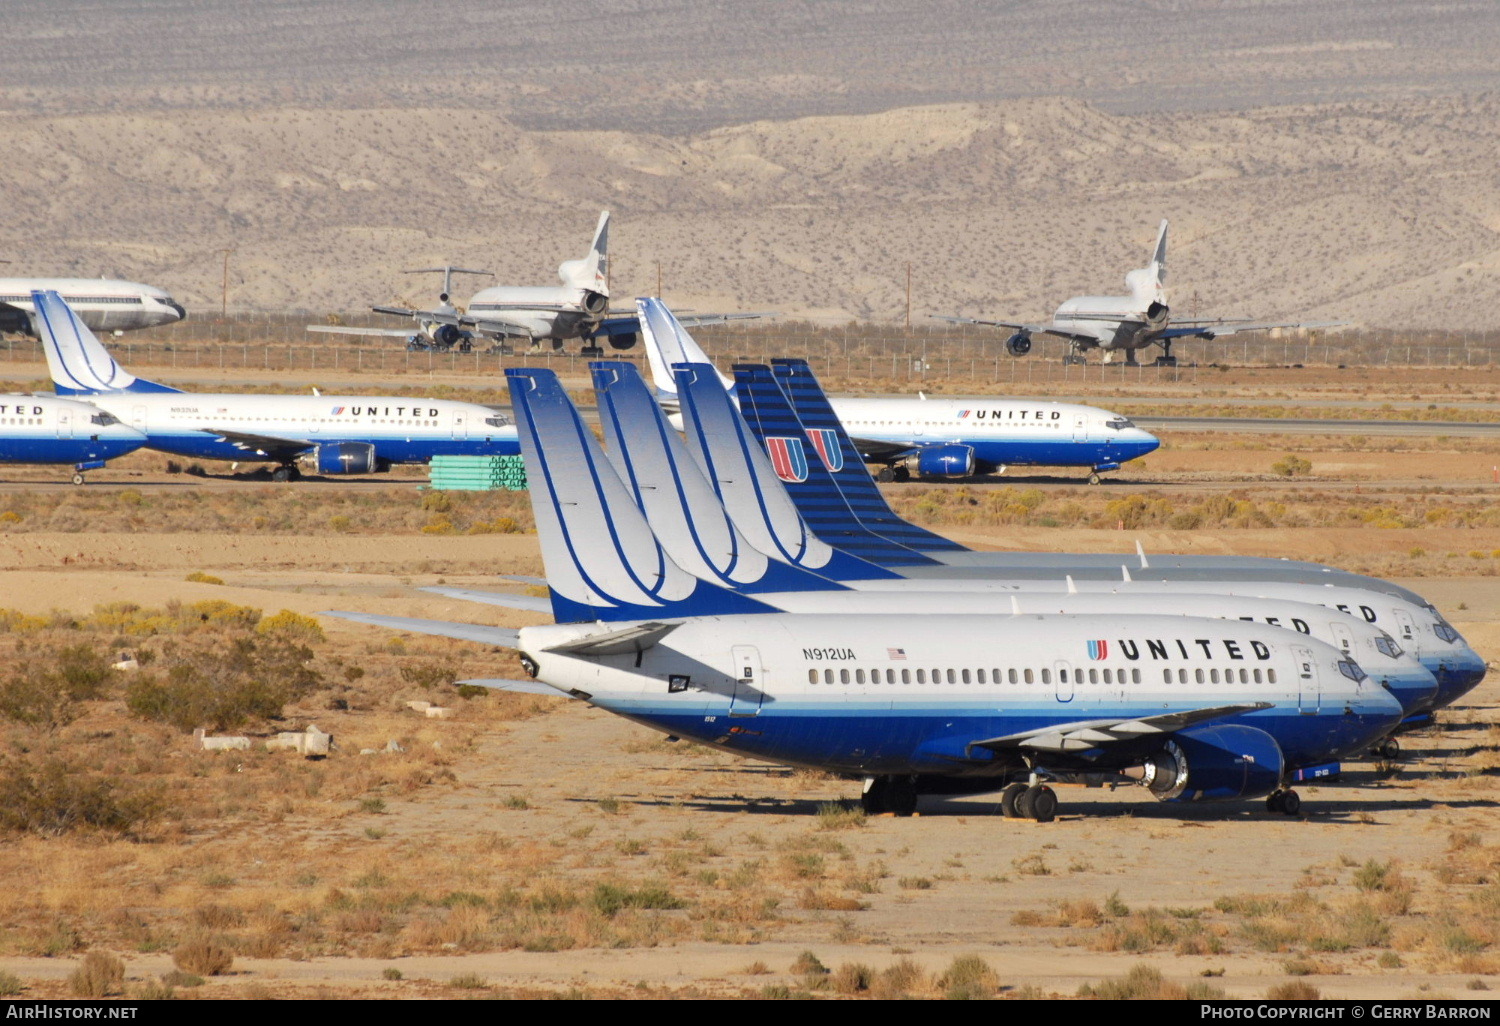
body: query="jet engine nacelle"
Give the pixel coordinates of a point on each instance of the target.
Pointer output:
(446, 335)
(595, 304)
(1215, 763)
(1018, 344)
(347, 458)
(1156, 315)
(943, 461)
(626, 340)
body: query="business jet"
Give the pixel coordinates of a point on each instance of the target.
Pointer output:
(335, 434)
(1126, 324)
(944, 439)
(103, 304)
(1193, 709)
(46, 429)
(578, 308)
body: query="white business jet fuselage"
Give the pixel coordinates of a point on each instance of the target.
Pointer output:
(103, 304)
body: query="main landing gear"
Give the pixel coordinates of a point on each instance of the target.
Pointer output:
(893, 474)
(1029, 801)
(889, 794)
(1286, 802)
(286, 472)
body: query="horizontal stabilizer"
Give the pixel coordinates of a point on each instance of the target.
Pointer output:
(1085, 734)
(505, 637)
(636, 638)
(526, 603)
(522, 687)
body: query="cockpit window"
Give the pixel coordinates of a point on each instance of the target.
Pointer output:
(1445, 631)
(104, 419)
(1386, 645)
(1349, 668)
(497, 421)
(1119, 423)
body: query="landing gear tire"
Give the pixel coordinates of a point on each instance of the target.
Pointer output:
(78, 479)
(890, 794)
(1166, 361)
(286, 473)
(900, 474)
(1008, 799)
(1039, 802)
(885, 474)
(1389, 749)
(1287, 802)
(1094, 478)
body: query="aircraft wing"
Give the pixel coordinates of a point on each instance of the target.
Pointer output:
(875, 450)
(338, 329)
(630, 324)
(525, 603)
(425, 316)
(1219, 328)
(1032, 329)
(269, 446)
(524, 687)
(1085, 734)
(504, 637)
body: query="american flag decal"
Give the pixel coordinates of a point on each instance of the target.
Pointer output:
(787, 458)
(896, 653)
(1098, 650)
(826, 442)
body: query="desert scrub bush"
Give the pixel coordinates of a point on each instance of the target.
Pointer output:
(199, 577)
(203, 954)
(851, 978)
(292, 627)
(55, 796)
(100, 975)
(1292, 466)
(1293, 990)
(1144, 982)
(220, 686)
(609, 899)
(10, 985)
(840, 816)
(968, 978)
(43, 688)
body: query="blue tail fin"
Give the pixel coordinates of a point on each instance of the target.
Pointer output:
(602, 561)
(768, 412)
(741, 475)
(669, 487)
(845, 464)
(80, 365)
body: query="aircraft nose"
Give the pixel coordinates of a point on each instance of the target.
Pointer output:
(178, 307)
(1415, 690)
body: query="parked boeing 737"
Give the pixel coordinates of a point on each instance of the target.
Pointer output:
(46, 429)
(1194, 709)
(337, 434)
(1125, 324)
(939, 438)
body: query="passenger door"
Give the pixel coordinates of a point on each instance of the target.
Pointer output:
(1309, 690)
(747, 681)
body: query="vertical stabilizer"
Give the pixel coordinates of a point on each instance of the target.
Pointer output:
(844, 463)
(681, 506)
(79, 363)
(1148, 283)
(767, 410)
(741, 475)
(668, 344)
(591, 272)
(601, 558)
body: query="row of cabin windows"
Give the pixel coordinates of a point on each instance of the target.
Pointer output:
(306, 420)
(947, 423)
(1092, 675)
(21, 420)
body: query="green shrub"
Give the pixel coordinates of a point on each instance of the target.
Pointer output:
(223, 686)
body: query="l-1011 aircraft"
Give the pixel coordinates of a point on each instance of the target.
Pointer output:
(46, 429)
(1194, 709)
(938, 438)
(103, 304)
(578, 308)
(337, 434)
(1126, 324)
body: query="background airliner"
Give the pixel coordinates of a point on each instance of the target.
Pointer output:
(1125, 324)
(939, 438)
(338, 434)
(578, 308)
(103, 304)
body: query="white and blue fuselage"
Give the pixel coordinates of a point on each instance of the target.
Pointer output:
(46, 429)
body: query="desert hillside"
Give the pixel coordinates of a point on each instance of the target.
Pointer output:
(1384, 213)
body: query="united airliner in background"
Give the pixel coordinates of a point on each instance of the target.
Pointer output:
(1125, 324)
(942, 438)
(46, 429)
(336, 434)
(103, 304)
